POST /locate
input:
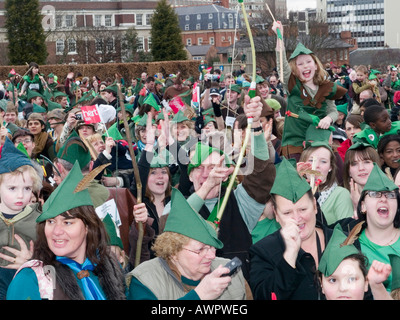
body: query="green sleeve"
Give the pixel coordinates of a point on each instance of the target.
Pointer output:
(24, 286)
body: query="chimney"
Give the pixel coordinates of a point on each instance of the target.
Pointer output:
(222, 3)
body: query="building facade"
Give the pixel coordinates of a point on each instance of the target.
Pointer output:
(369, 21)
(88, 31)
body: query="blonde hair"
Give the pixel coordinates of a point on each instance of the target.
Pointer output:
(362, 68)
(320, 77)
(94, 137)
(37, 183)
(168, 244)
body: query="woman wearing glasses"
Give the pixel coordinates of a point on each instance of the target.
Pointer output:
(186, 267)
(379, 208)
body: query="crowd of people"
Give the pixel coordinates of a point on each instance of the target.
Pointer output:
(313, 213)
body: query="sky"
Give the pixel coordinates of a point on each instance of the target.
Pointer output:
(300, 4)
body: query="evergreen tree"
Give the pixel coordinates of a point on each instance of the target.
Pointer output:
(25, 34)
(166, 39)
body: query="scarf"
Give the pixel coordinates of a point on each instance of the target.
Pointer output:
(90, 290)
(324, 194)
(40, 143)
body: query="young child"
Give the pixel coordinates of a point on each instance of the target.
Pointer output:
(18, 179)
(362, 83)
(309, 89)
(342, 271)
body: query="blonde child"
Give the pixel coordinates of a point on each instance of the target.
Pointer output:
(18, 179)
(362, 83)
(309, 89)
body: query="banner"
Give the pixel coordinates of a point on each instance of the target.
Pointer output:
(91, 114)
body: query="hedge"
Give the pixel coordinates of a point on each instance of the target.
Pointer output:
(127, 70)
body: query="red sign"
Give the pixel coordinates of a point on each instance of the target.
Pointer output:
(91, 114)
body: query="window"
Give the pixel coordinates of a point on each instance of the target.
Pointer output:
(97, 20)
(140, 42)
(69, 20)
(149, 43)
(198, 26)
(59, 21)
(148, 19)
(187, 17)
(212, 41)
(200, 41)
(108, 20)
(186, 27)
(188, 42)
(99, 45)
(60, 46)
(199, 17)
(139, 19)
(210, 16)
(210, 25)
(71, 46)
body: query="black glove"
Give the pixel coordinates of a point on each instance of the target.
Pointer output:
(199, 124)
(217, 109)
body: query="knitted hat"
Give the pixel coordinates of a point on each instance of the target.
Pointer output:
(183, 215)
(11, 158)
(57, 202)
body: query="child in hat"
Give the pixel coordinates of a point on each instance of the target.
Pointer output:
(74, 241)
(18, 179)
(309, 89)
(342, 271)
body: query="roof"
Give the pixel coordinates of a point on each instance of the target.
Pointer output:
(207, 17)
(198, 50)
(268, 43)
(379, 57)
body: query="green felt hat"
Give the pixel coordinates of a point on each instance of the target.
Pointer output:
(342, 108)
(183, 215)
(179, 117)
(111, 229)
(33, 94)
(367, 136)
(208, 119)
(201, 153)
(379, 181)
(395, 129)
(38, 109)
(150, 100)
(64, 197)
(128, 108)
(335, 252)
(143, 121)
(395, 264)
(259, 79)
(112, 87)
(288, 183)
(51, 105)
(73, 150)
(59, 94)
(300, 49)
(236, 88)
(274, 104)
(316, 137)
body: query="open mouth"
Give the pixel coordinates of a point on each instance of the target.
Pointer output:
(307, 74)
(383, 212)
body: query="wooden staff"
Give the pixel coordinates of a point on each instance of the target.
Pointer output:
(281, 44)
(135, 173)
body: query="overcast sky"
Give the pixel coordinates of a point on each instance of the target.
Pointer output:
(300, 4)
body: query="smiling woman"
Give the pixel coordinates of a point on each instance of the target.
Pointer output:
(73, 240)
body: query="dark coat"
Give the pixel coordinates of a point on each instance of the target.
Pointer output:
(270, 273)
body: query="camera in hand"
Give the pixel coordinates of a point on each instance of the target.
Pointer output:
(233, 267)
(78, 117)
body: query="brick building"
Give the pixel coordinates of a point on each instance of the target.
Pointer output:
(88, 31)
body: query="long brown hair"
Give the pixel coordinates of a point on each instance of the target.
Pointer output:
(96, 238)
(168, 191)
(321, 75)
